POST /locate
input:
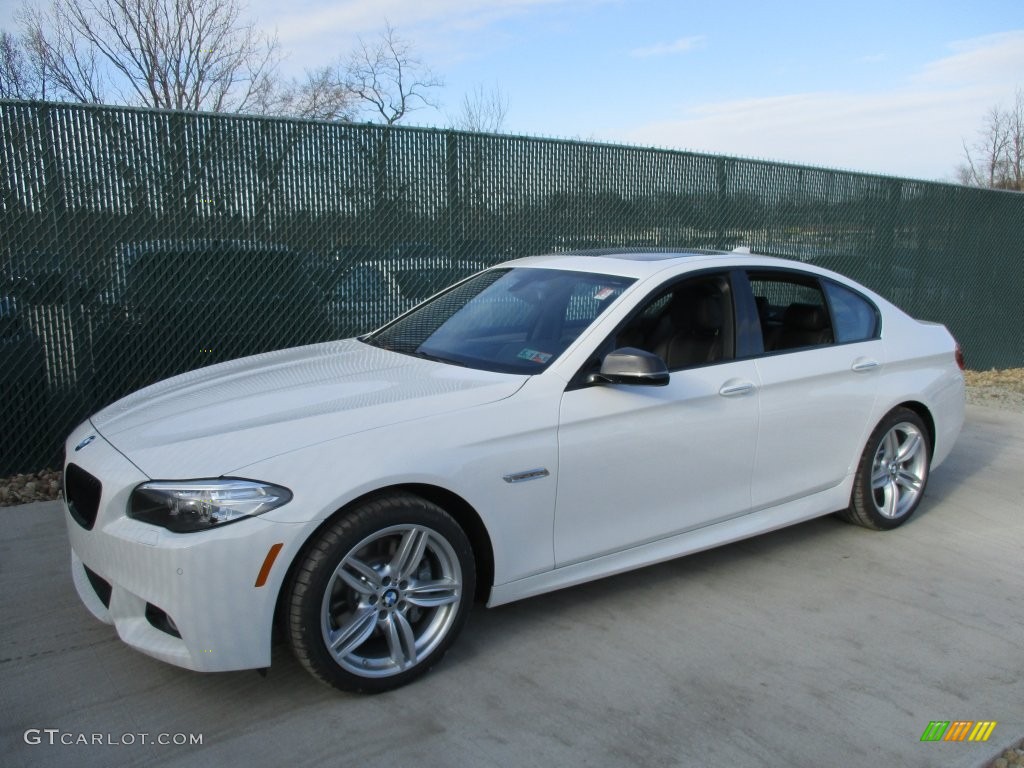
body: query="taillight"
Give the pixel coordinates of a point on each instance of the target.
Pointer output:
(960, 357)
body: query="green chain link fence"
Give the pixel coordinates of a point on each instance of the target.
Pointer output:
(138, 244)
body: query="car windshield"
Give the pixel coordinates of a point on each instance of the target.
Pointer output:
(508, 320)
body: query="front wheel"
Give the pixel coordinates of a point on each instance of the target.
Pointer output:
(381, 594)
(892, 474)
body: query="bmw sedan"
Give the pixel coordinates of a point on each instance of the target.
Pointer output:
(540, 424)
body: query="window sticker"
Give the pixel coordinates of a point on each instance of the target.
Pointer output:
(603, 293)
(534, 356)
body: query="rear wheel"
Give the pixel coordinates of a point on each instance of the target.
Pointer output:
(381, 595)
(892, 474)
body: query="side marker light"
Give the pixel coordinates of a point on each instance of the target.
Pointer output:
(268, 563)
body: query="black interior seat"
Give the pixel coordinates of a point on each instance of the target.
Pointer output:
(691, 333)
(804, 325)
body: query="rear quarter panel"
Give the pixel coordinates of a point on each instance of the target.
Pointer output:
(922, 368)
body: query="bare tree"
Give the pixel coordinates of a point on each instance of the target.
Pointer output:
(16, 81)
(322, 95)
(176, 54)
(387, 77)
(483, 110)
(1015, 145)
(381, 79)
(996, 158)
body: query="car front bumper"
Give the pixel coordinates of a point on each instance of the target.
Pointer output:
(192, 599)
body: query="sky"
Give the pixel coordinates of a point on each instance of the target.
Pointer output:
(892, 86)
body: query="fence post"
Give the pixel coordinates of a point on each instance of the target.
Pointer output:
(452, 190)
(721, 200)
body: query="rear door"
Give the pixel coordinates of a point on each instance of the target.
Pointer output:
(819, 373)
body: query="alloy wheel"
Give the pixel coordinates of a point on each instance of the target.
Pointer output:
(391, 600)
(899, 470)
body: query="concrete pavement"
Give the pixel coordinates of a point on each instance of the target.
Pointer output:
(820, 645)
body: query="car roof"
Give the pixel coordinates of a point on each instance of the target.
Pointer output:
(638, 263)
(632, 263)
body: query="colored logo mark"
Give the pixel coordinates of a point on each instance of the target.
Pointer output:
(958, 730)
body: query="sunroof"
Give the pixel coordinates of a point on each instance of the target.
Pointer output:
(640, 253)
(648, 256)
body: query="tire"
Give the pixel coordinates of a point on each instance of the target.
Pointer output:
(381, 594)
(892, 473)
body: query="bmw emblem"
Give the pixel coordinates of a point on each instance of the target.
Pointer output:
(84, 443)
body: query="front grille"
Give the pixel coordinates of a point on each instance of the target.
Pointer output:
(83, 494)
(99, 585)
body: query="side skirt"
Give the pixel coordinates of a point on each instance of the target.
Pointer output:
(726, 532)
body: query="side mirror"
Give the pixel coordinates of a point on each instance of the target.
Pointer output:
(632, 366)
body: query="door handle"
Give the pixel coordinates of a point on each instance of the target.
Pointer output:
(735, 387)
(864, 364)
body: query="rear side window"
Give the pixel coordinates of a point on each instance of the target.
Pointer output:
(854, 318)
(792, 311)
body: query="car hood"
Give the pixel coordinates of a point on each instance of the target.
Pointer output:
(214, 421)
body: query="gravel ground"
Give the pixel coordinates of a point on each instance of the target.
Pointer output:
(997, 389)
(1010, 757)
(36, 486)
(994, 389)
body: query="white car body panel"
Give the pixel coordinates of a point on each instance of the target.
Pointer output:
(468, 457)
(643, 463)
(803, 448)
(688, 543)
(205, 583)
(634, 475)
(215, 420)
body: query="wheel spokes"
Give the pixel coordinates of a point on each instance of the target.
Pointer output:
(359, 576)
(890, 446)
(899, 470)
(909, 480)
(356, 632)
(908, 450)
(392, 601)
(409, 553)
(890, 502)
(431, 594)
(401, 640)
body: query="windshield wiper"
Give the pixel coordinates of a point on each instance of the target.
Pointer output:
(436, 358)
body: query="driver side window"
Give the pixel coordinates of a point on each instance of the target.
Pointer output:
(687, 325)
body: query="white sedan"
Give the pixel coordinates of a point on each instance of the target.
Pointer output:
(543, 423)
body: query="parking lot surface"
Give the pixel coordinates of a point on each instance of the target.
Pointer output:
(822, 644)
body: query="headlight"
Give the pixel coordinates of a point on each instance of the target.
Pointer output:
(197, 505)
